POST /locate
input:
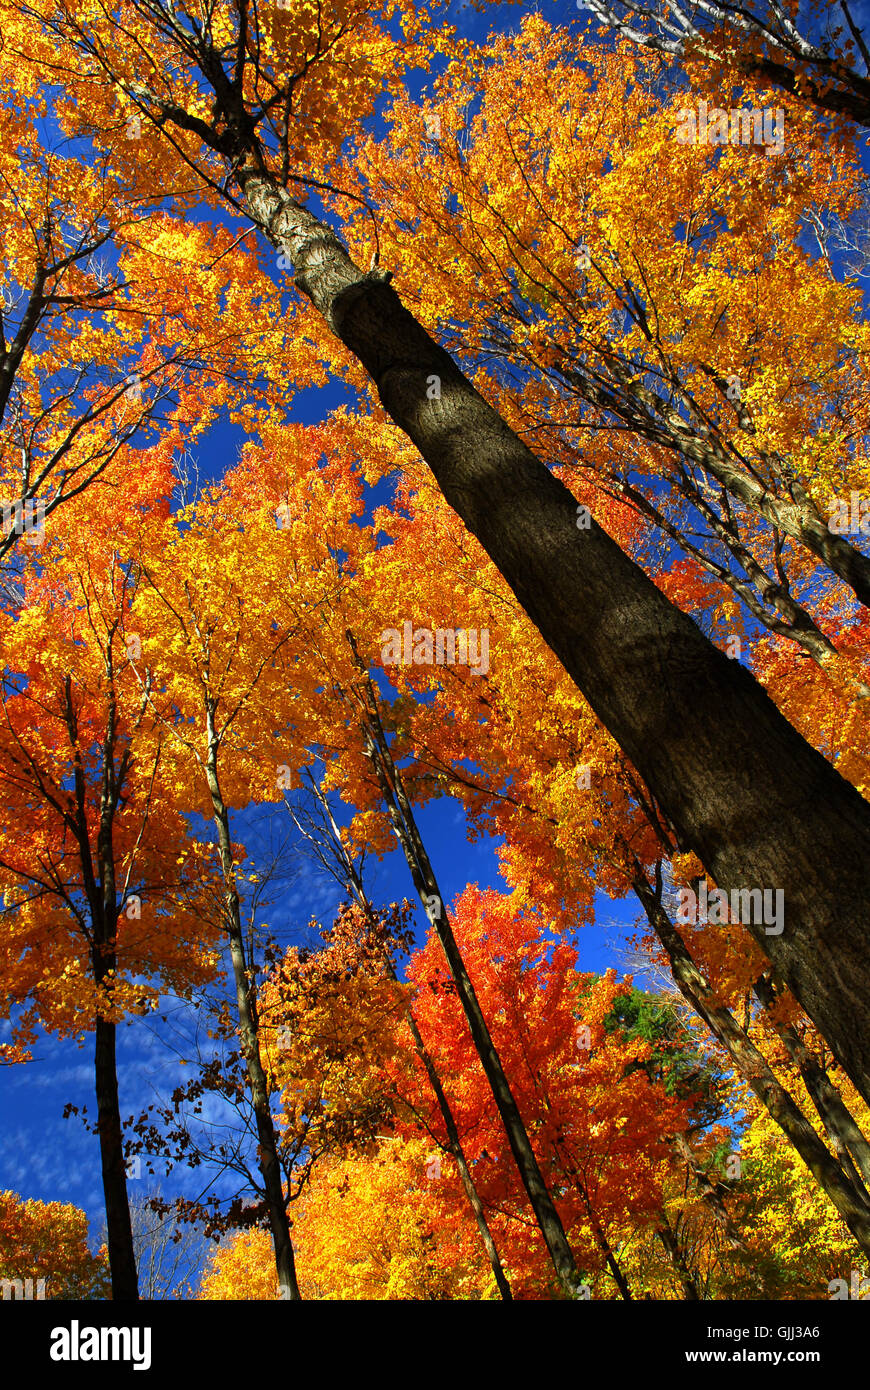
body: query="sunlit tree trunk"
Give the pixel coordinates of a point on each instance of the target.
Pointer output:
(423, 876)
(355, 886)
(246, 1006)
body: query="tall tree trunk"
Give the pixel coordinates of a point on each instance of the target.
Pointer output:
(355, 886)
(100, 888)
(753, 1066)
(122, 1258)
(246, 1006)
(423, 876)
(760, 807)
(607, 1251)
(532, 1178)
(847, 1140)
(454, 1145)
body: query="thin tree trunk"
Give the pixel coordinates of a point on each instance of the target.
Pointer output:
(711, 1197)
(119, 1238)
(760, 807)
(455, 1147)
(607, 1251)
(429, 892)
(572, 1174)
(355, 886)
(795, 516)
(768, 603)
(533, 1181)
(755, 1069)
(246, 1005)
(677, 1258)
(847, 1140)
(100, 889)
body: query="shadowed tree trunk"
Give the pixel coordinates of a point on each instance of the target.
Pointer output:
(743, 790)
(119, 1231)
(607, 1251)
(98, 878)
(760, 807)
(849, 1200)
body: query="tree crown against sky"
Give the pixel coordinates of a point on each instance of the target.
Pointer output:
(541, 262)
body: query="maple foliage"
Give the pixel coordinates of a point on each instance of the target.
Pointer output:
(74, 723)
(49, 1240)
(677, 330)
(545, 263)
(330, 1021)
(368, 1227)
(795, 1236)
(105, 896)
(241, 1268)
(582, 1088)
(375, 1227)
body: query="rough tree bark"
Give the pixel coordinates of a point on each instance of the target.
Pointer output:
(760, 807)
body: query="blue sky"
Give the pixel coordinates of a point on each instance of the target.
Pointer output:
(46, 1157)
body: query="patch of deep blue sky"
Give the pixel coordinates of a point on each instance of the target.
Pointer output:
(43, 1156)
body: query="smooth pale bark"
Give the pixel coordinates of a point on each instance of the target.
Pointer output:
(797, 517)
(760, 807)
(426, 884)
(814, 75)
(249, 1037)
(754, 1068)
(354, 885)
